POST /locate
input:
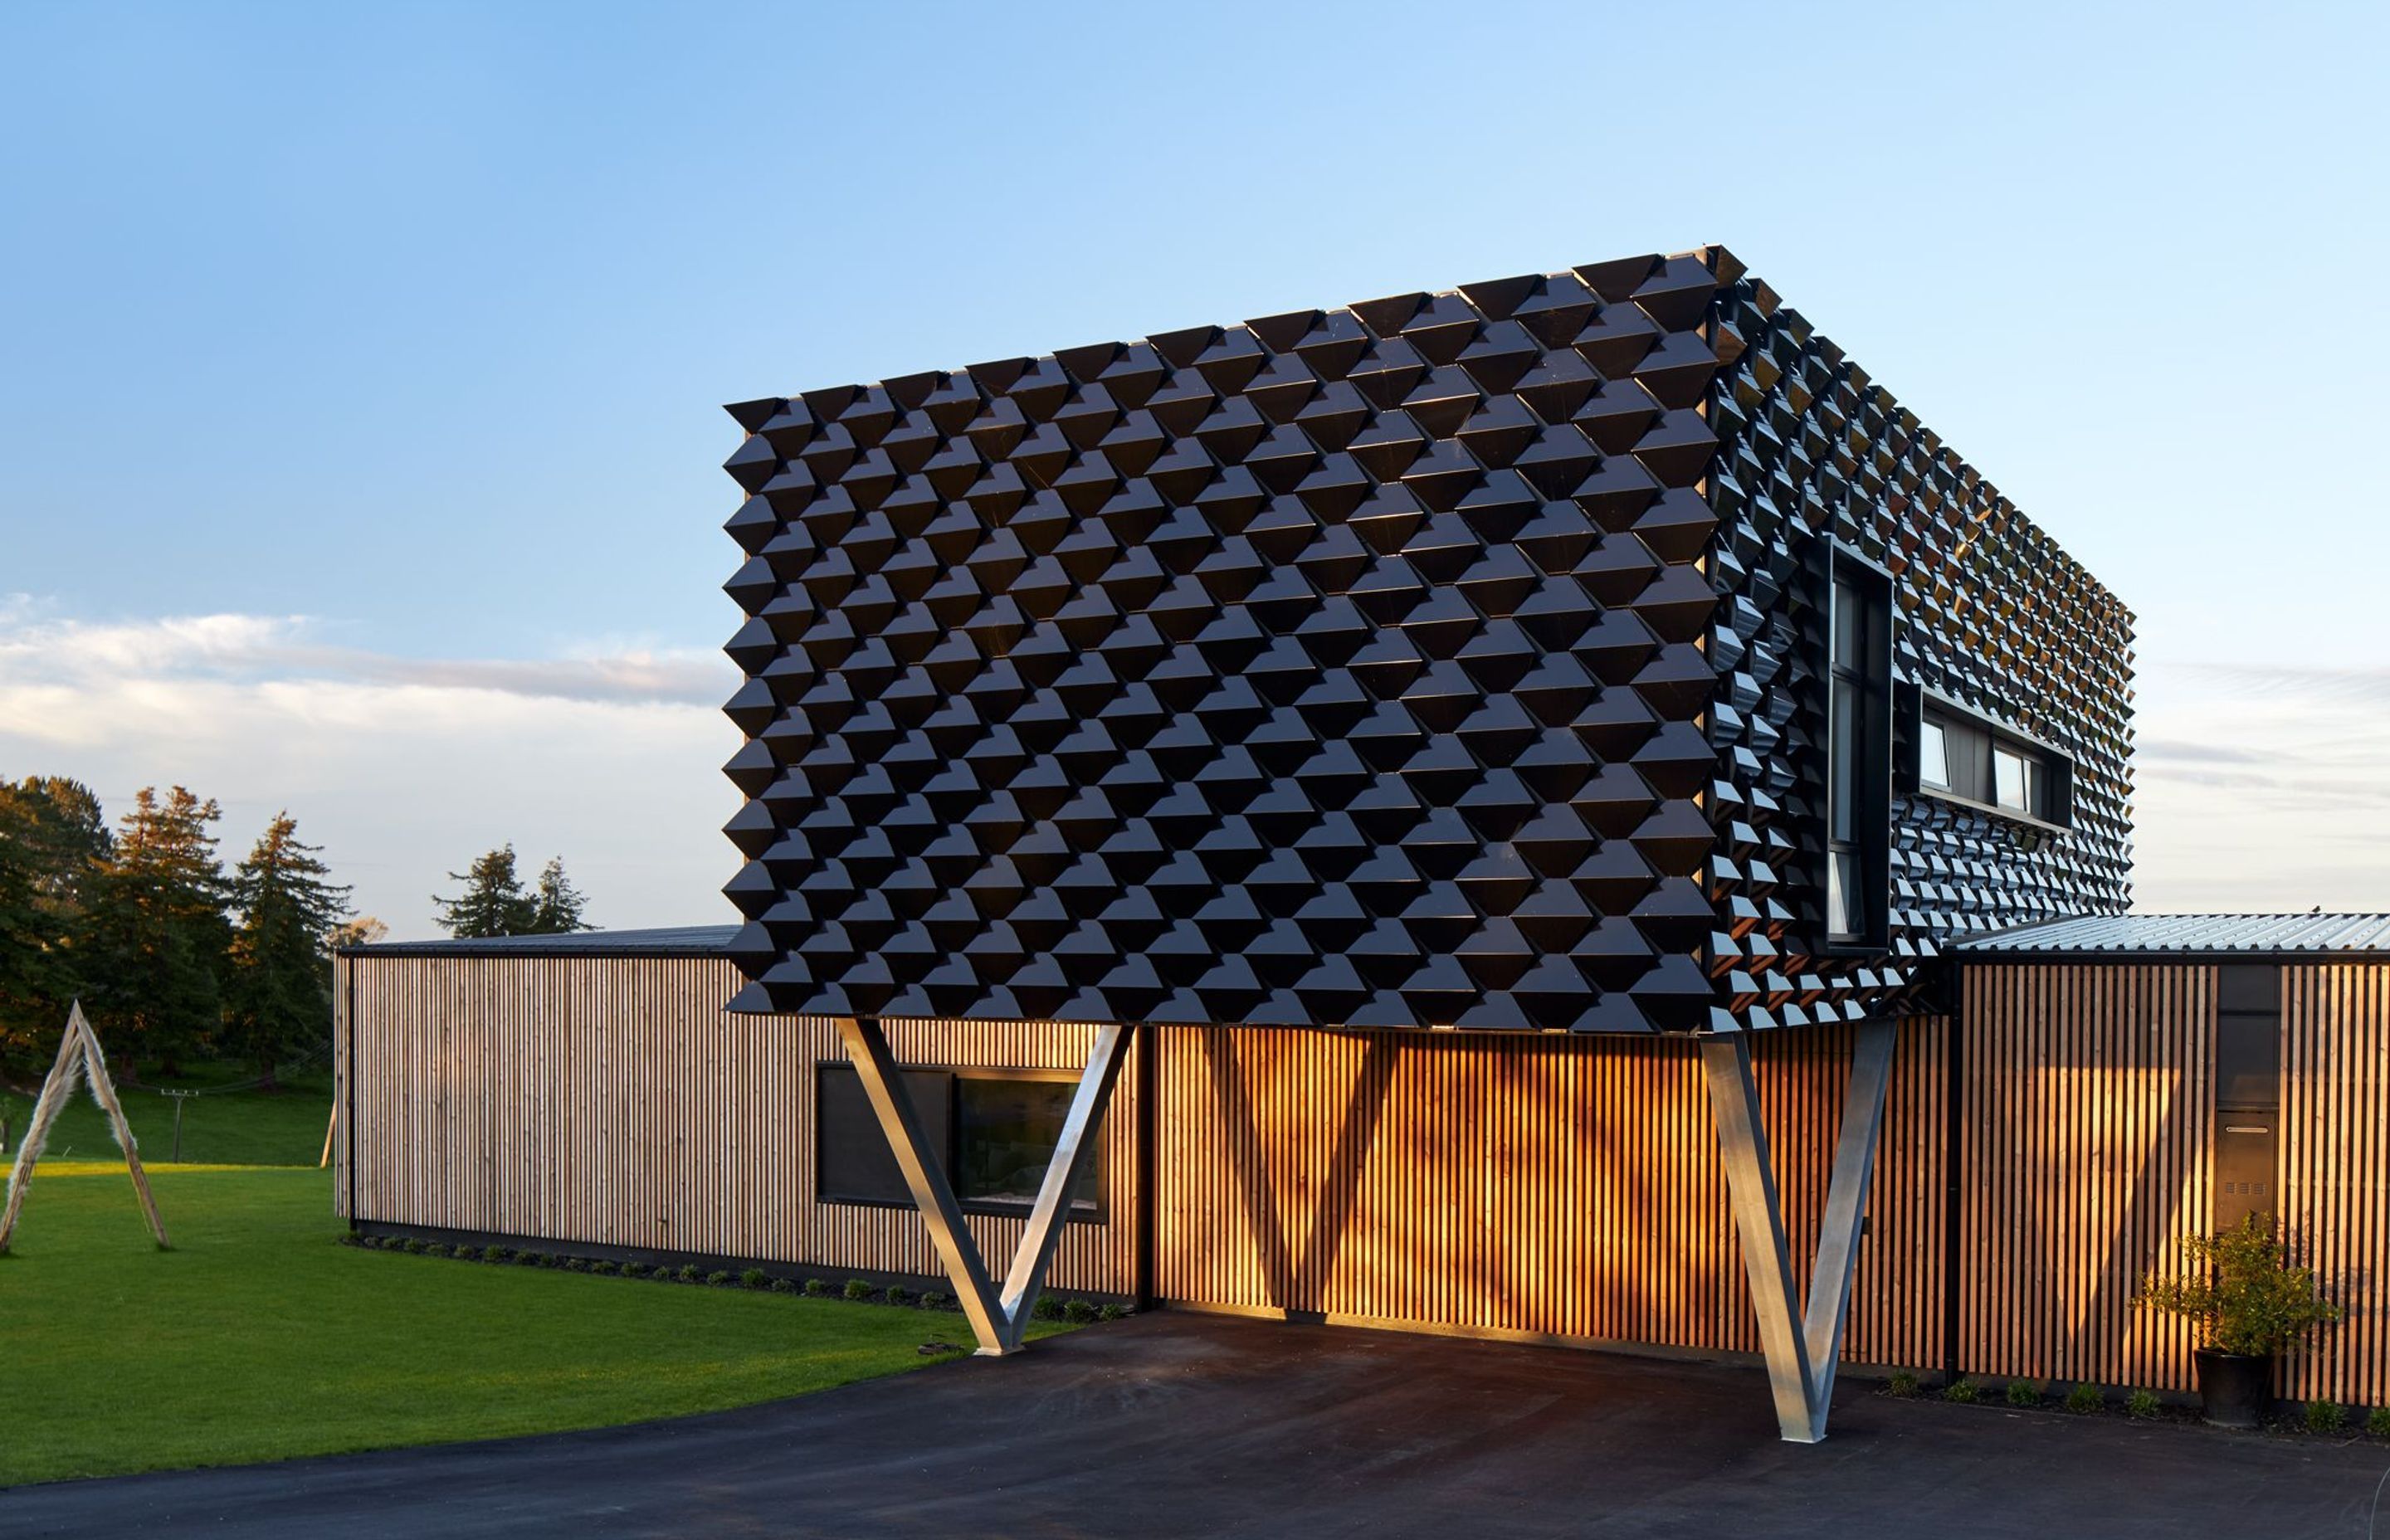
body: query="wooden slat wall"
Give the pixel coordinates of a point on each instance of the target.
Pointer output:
(2087, 1129)
(614, 1101)
(2335, 1169)
(1525, 1185)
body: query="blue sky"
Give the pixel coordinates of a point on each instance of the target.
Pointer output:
(360, 369)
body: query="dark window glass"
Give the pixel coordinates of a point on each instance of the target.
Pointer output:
(856, 1164)
(1858, 754)
(1846, 757)
(1005, 1134)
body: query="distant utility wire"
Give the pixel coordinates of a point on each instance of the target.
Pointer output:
(305, 1060)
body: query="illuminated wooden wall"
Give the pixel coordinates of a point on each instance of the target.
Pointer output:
(2335, 1168)
(1535, 1186)
(2085, 1127)
(1546, 1187)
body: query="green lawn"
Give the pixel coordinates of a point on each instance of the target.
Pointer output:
(260, 1336)
(245, 1128)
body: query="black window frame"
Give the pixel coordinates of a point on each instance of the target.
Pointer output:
(1975, 739)
(945, 1130)
(1856, 817)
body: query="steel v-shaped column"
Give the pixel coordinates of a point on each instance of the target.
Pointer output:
(998, 1316)
(1803, 1346)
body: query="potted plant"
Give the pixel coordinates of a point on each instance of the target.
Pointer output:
(2250, 1304)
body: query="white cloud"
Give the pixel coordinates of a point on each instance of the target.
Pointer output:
(403, 768)
(2262, 789)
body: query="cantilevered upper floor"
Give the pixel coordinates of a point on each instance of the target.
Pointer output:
(1594, 650)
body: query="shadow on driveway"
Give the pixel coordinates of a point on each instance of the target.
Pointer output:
(1177, 1424)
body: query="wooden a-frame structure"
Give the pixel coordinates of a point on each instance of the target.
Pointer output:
(79, 1058)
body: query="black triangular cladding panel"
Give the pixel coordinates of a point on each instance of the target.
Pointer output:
(1990, 612)
(1338, 668)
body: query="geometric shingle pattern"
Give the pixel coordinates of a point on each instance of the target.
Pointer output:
(1989, 611)
(1383, 666)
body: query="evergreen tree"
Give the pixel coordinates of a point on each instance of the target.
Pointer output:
(556, 907)
(364, 930)
(493, 903)
(156, 949)
(279, 996)
(54, 845)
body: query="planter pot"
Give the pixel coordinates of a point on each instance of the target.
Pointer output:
(2236, 1389)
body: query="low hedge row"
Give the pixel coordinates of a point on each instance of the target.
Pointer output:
(2313, 1416)
(1049, 1307)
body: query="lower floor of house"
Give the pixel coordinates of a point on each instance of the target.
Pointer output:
(2044, 1146)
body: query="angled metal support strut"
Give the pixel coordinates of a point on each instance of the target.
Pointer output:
(999, 1317)
(1802, 1345)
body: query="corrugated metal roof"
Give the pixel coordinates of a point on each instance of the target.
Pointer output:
(2221, 935)
(676, 941)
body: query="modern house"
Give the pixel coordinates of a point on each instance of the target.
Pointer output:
(1374, 815)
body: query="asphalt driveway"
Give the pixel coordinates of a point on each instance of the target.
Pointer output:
(1176, 1424)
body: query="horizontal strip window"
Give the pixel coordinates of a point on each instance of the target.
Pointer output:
(1965, 758)
(993, 1133)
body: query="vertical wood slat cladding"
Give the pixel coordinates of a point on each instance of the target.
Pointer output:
(2086, 1125)
(613, 1101)
(1529, 1186)
(2335, 1152)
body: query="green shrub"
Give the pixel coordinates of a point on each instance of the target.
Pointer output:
(756, 1278)
(603, 1269)
(2377, 1422)
(1966, 1392)
(2085, 1397)
(719, 1278)
(575, 1264)
(1078, 1312)
(2023, 1393)
(817, 1287)
(933, 1300)
(531, 1259)
(689, 1274)
(898, 1294)
(2324, 1417)
(1047, 1308)
(1902, 1385)
(784, 1286)
(466, 1253)
(1113, 1312)
(413, 1247)
(632, 1269)
(2143, 1404)
(859, 1288)
(2239, 1288)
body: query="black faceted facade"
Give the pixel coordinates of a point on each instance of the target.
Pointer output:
(1446, 660)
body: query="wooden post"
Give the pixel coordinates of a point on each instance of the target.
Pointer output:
(78, 1054)
(57, 1087)
(329, 1129)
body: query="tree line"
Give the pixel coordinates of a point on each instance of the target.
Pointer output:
(177, 959)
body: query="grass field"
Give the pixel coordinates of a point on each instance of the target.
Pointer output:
(260, 1336)
(245, 1128)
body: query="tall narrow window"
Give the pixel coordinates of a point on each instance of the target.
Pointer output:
(1858, 754)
